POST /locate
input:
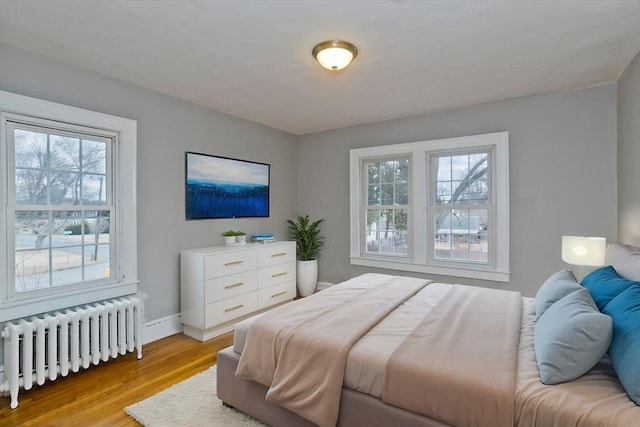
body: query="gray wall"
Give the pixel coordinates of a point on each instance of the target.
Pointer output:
(629, 154)
(167, 127)
(562, 175)
(562, 168)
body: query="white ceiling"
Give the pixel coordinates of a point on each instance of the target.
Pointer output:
(252, 58)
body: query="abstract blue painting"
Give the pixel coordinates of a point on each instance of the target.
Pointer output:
(220, 187)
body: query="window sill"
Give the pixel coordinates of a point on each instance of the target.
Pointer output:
(12, 310)
(471, 273)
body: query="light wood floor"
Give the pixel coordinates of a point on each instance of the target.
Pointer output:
(97, 396)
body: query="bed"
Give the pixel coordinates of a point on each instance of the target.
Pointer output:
(416, 353)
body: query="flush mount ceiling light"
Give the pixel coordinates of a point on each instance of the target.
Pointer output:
(334, 55)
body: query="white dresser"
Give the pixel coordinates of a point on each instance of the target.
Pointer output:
(221, 285)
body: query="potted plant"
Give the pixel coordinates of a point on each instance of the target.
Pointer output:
(229, 237)
(241, 237)
(308, 244)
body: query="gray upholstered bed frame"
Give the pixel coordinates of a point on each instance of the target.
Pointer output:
(356, 409)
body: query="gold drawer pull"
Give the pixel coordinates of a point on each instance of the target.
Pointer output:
(235, 285)
(226, 264)
(278, 254)
(235, 307)
(279, 274)
(278, 294)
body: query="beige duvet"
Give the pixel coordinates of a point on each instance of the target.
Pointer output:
(595, 399)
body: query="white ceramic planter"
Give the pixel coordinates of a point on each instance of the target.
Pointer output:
(229, 240)
(241, 239)
(307, 277)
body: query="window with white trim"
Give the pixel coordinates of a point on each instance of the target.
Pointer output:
(437, 206)
(67, 205)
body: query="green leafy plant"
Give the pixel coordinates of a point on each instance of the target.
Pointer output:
(232, 233)
(307, 237)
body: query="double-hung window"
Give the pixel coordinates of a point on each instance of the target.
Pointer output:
(437, 206)
(68, 206)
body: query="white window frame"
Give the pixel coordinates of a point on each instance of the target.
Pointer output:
(17, 305)
(420, 259)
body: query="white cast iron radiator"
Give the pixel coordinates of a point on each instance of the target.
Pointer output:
(47, 346)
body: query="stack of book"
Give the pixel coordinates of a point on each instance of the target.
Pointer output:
(262, 238)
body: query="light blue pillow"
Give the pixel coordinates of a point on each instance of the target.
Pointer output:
(554, 288)
(570, 338)
(625, 345)
(604, 284)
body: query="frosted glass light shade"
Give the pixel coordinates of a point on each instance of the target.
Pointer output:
(334, 55)
(580, 250)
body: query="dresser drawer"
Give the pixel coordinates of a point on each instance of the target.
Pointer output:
(229, 309)
(229, 286)
(270, 276)
(219, 265)
(276, 294)
(274, 255)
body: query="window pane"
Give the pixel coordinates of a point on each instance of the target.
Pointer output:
(402, 194)
(30, 149)
(67, 230)
(98, 224)
(373, 196)
(66, 265)
(373, 172)
(31, 270)
(459, 167)
(94, 157)
(386, 231)
(461, 179)
(31, 187)
(64, 154)
(31, 228)
(94, 189)
(443, 193)
(443, 165)
(98, 264)
(64, 188)
(461, 234)
(386, 194)
(478, 192)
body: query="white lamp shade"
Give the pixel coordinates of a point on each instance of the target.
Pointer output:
(580, 250)
(334, 58)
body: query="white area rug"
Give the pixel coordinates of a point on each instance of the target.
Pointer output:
(192, 402)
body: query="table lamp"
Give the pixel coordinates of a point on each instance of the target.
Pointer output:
(583, 252)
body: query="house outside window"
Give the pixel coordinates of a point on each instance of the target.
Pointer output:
(68, 206)
(437, 206)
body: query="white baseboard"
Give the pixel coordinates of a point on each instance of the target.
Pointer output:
(154, 330)
(324, 285)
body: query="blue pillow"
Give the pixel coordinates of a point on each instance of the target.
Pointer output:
(604, 284)
(570, 338)
(554, 288)
(625, 345)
